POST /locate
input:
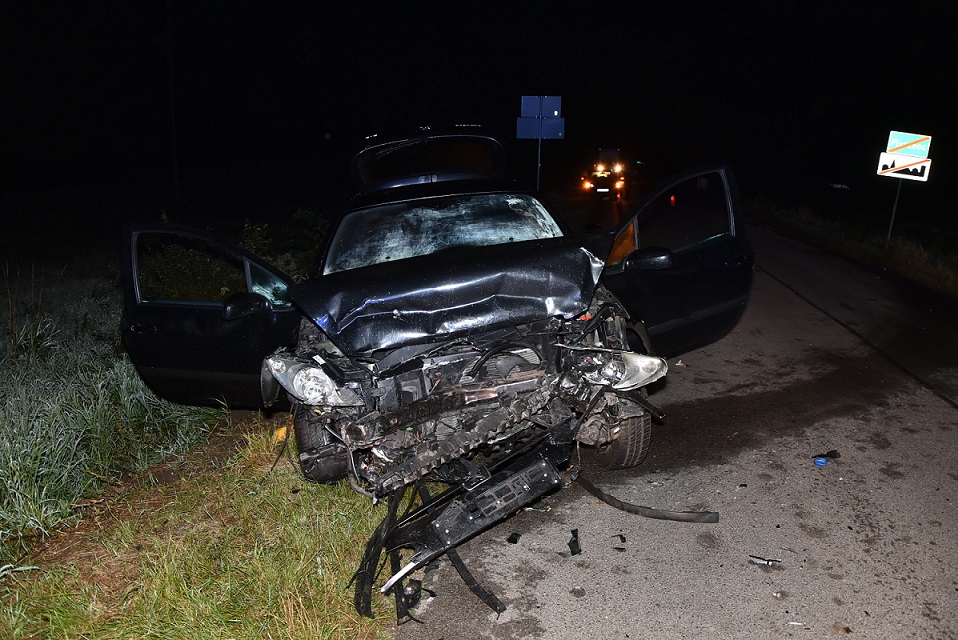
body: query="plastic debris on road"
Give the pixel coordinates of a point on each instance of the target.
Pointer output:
(574, 547)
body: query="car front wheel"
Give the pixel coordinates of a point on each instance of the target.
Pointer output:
(631, 447)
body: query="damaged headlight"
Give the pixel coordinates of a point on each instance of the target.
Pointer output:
(621, 370)
(307, 382)
(639, 370)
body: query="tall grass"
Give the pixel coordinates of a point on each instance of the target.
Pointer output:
(75, 414)
(239, 551)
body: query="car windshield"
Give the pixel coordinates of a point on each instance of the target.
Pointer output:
(397, 231)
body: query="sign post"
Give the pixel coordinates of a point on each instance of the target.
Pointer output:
(540, 118)
(906, 158)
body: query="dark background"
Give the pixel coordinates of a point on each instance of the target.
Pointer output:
(121, 110)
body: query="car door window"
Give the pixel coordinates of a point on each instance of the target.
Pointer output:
(179, 268)
(625, 243)
(685, 215)
(269, 286)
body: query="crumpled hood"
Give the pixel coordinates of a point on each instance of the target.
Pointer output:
(451, 294)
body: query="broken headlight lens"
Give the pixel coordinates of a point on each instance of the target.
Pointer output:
(621, 370)
(306, 381)
(640, 370)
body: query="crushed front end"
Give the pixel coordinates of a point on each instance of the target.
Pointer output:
(478, 375)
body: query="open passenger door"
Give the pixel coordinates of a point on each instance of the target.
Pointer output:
(200, 315)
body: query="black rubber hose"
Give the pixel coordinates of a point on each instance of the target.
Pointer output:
(648, 512)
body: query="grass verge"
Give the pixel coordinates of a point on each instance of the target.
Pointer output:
(76, 415)
(207, 546)
(930, 262)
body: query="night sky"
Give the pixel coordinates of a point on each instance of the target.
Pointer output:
(142, 106)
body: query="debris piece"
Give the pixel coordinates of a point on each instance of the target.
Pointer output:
(763, 561)
(658, 514)
(513, 538)
(574, 547)
(412, 593)
(820, 462)
(831, 453)
(681, 364)
(619, 547)
(486, 596)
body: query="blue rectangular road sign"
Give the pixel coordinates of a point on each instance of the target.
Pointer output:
(540, 118)
(546, 128)
(541, 107)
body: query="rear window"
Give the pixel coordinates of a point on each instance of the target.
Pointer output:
(397, 231)
(422, 160)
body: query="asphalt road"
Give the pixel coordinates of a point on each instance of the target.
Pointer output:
(828, 356)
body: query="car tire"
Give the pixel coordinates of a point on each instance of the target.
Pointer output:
(321, 457)
(630, 448)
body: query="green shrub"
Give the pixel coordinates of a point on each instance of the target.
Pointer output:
(294, 248)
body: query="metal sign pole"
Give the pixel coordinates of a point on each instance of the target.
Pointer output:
(894, 207)
(539, 157)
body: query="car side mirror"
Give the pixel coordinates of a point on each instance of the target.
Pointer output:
(649, 259)
(243, 304)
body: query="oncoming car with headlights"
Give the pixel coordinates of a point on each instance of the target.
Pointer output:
(607, 180)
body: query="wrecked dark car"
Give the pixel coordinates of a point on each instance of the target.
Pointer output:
(456, 336)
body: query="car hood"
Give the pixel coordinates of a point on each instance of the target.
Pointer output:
(453, 293)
